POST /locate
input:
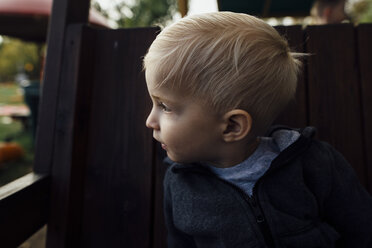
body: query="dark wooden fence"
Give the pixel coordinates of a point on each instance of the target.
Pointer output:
(104, 171)
(335, 93)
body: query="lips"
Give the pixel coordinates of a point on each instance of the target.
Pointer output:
(164, 146)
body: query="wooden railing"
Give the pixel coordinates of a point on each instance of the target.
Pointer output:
(24, 208)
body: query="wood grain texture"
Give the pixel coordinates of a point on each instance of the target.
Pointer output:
(64, 13)
(159, 232)
(364, 36)
(118, 184)
(295, 114)
(68, 171)
(334, 91)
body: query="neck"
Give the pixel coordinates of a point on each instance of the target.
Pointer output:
(236, 153)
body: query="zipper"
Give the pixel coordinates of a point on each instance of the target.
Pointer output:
(293, 150)
(263, 224)
(252, 202)
(257, 212)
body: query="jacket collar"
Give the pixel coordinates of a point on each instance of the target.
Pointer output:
(291, 152)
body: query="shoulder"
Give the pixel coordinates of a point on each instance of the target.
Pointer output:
(325, 168)
(320, 151)
(322, 160)
(321, 154)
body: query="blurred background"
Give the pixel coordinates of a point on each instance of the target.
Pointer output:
(22, 53)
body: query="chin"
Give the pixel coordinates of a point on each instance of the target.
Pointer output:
(181, 160)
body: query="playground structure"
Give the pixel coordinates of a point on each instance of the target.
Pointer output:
(28, 19)
(97, 179)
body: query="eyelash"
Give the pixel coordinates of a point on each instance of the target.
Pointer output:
(163, 107)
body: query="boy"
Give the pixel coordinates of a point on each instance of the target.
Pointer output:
(217, 81)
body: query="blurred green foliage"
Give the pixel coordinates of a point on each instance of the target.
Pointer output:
(10, 94)
(19, 56)
(140, 13)
(16, 132)
(366, 12)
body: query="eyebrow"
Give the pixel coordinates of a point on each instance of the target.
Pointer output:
(162, 99)
(155, 97)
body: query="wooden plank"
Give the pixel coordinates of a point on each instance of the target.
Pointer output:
(24, 205)
(159, 230)
(68, 171)
(118, 184)
(334, 97)
(365, 62)
(64, 13)
(295, 115)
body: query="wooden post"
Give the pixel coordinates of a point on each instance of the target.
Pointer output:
(183, 7)
(63, 228)
(64, 13)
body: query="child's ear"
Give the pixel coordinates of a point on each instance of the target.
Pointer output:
(237, 124)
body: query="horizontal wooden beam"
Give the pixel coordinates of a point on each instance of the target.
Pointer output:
(24, 207)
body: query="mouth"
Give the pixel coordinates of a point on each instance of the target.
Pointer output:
(164, 146)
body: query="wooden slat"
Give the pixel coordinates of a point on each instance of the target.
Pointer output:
(118, 184)
(24, 205)
(295, 113)
(159, 232)
(365, 66)
(334, 97)
(71, 138)
(64, 13)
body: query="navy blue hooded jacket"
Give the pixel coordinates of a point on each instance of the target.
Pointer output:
(309, 197)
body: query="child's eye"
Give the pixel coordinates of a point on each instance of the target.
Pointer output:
(163, 107)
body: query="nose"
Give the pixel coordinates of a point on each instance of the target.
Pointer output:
(151, 121)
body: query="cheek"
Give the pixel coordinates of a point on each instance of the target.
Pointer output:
(176, 135)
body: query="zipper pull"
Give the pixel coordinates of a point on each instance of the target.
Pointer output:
(260, 219)
(256, 210)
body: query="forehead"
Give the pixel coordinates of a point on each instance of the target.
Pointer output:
(157, 90)
(153, 80)
(162, 92)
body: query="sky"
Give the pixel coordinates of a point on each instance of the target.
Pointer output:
(202, 6)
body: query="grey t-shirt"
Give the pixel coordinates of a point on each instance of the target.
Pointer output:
(247, 173)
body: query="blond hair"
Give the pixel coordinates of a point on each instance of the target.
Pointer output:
(230, 61)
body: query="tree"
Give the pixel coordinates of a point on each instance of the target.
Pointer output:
(141, 13)
(17, 56)
(367, 14)
(361, 11)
